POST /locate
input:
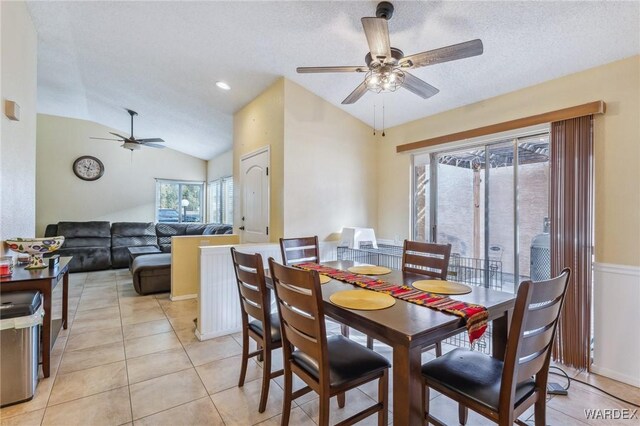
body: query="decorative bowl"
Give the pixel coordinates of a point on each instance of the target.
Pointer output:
(36, 248)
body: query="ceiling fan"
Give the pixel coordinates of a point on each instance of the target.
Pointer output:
(386, 67)
(131, 143)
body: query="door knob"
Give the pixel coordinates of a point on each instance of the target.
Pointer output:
(241, 228)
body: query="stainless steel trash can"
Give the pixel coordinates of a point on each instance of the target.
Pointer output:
(21, 315)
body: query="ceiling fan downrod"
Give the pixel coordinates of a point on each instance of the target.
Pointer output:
(132, 113)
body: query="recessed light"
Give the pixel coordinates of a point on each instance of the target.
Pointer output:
(223, 85)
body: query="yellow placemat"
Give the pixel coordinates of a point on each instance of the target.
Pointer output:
(369, 270)
(442, 287)
(324, 279)
(364, 300)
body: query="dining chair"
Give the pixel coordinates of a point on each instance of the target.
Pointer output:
(429, 259)
(502, 390)
(255, 302)
(303, 249)
(330, 366)
(298, 250)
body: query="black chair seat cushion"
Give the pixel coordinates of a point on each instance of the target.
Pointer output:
(348, 361)
(256, 326)
(473, 374)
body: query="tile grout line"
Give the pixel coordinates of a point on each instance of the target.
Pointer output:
(124, 350)
(84, 369)
(69, 327)
(184, 348)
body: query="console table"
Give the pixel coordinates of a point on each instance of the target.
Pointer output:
(44, 281)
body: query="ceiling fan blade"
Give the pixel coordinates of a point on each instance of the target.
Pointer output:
(417, 86)
(120, 136)
(150, 140)
(356, 94)
(377, 32)
(444, 54)
(106, 139)
(304, 70)
(154, 145)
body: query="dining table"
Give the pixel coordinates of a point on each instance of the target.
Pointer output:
(409, 328)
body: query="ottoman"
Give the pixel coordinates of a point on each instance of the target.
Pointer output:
(152, 273)
(139, 251)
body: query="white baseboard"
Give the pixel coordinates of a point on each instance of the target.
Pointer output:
(218, 333)
(607, 372)
(616, 296)
(183, 297)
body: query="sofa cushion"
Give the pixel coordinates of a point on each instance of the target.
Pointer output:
(87, 258)
(165, 231)
(88, 242)
(130, 234)
(84, 229)
(195, 229)
(215, 229)
(51, 230)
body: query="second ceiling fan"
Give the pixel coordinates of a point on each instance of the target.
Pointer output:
(131, 143)
(386, 67)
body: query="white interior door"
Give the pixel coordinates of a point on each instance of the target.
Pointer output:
(254, 181)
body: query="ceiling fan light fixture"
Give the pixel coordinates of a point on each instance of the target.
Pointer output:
(384, 79)
(131, 146)
(222, 85)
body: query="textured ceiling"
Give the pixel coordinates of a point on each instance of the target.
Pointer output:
(163, 58)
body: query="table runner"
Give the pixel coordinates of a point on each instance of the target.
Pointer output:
(475, 316)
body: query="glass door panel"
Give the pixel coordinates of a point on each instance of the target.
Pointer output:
(533, 193)
(500, 259)
(421, 203)
(460, 203)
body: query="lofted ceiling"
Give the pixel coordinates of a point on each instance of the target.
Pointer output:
(162, 59)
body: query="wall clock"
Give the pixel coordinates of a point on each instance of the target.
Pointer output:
(88, 168)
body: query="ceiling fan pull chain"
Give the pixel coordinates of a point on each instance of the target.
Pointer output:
(383, 117)
(374, 119)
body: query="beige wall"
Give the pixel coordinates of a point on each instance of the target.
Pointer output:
(220, 166)
(126, 192)
(185, 258)
(258, 124)
(329, 167)
(617, 152)
(18, 138)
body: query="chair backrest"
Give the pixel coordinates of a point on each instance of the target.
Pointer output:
(301, 311)
(531, 336)
(298, 250)
(426, 258)
(252, 288)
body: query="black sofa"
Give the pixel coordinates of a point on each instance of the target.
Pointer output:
(100, 245)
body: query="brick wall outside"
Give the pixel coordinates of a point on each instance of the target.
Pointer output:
(456, 209)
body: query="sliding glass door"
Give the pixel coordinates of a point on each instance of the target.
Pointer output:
(490, 202)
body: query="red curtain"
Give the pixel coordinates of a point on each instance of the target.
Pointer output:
(571, 164)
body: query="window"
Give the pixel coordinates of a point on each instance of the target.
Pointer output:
(221, 201)
(490, 202)
(178, 201)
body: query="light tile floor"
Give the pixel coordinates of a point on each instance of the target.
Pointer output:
(130, 359)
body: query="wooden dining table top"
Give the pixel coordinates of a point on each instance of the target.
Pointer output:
(407, 323)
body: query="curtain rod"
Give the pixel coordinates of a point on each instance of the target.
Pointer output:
(596, 107)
